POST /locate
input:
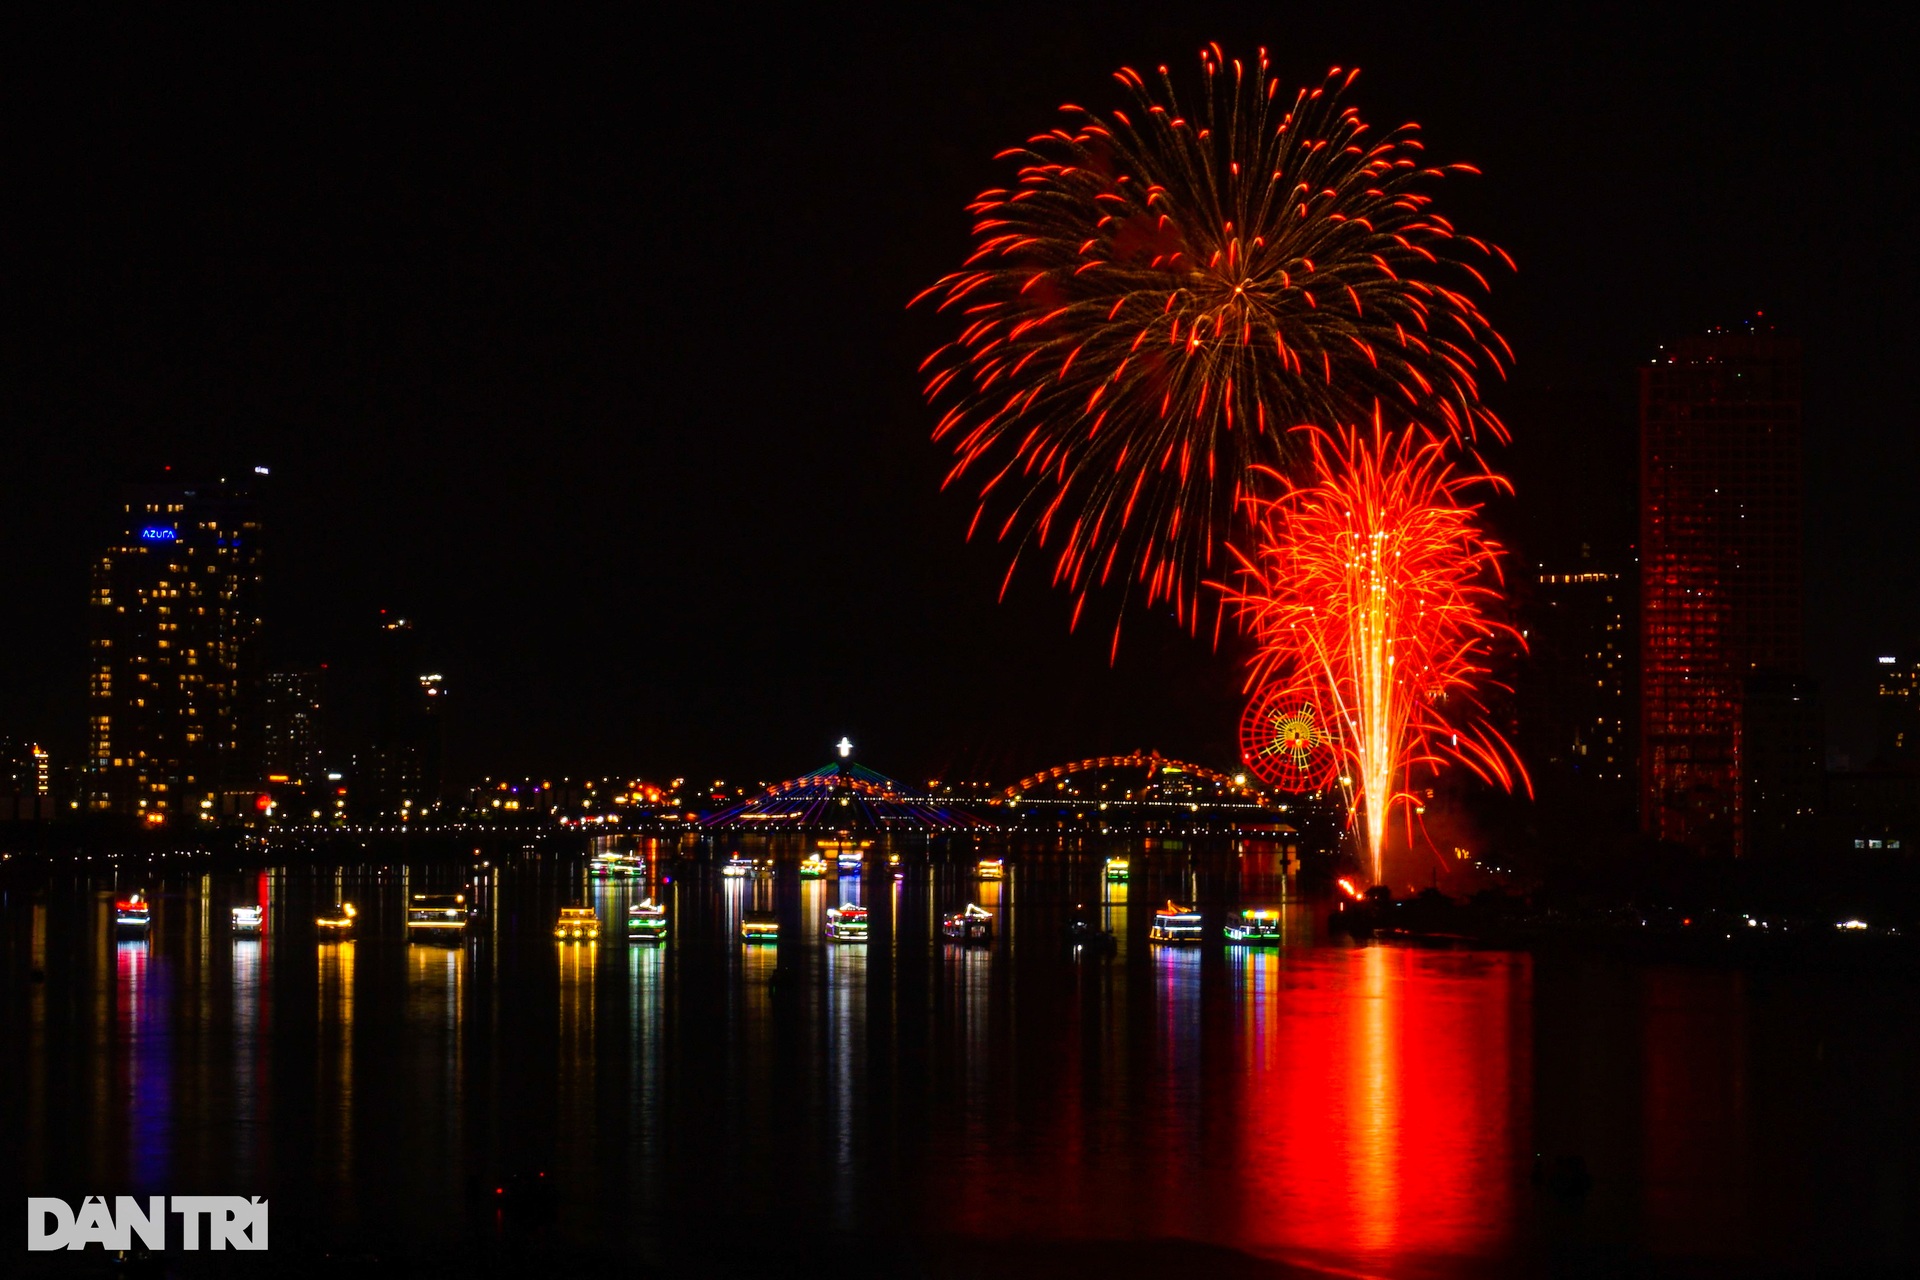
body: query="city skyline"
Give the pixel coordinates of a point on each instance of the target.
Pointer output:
(674, 585)
(1102, 639)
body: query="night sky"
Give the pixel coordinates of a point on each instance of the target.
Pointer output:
(585, 346)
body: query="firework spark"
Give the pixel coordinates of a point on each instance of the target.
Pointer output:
(1367, 592)
(1162, 294)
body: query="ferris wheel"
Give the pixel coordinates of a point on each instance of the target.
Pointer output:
(1284, 743)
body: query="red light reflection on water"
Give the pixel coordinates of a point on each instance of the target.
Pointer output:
(1367, 1107)
(1385, 1101)
(1697, 1156)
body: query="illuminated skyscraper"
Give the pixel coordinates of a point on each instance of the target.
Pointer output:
(1720, 570)
(174, 638)
(1575, 718)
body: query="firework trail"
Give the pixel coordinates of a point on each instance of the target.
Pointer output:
(1366, 590)
(1165, 291)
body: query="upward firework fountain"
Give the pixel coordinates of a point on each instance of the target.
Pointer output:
(1365, 590)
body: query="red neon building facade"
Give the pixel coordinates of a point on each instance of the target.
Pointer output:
(1720, 570)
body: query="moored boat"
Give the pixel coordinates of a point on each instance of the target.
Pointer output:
(1174, 925)
(1256, 927)
(133, 914)
(437, 915)
(972, 927)
(647, 922)
(848, 855)
(847, 923)
(577, 924)
(616, 866)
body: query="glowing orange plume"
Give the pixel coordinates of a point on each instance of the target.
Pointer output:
(1366, 591)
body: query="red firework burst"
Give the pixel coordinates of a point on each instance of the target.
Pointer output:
(1162, 294)
(1366, 592)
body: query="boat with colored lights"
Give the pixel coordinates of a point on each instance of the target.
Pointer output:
(1118, 869)
(577, 924)
(647, 922)
(1175, 926)
(248, 921)
(133, 914)
(1256, 927)
(848, 854)
(971, 927)
(337, 923)
(616, 866)
(992, 868)
(739, 868)
(813, 867)
(847, 923)
(760, 928)
(437, 915)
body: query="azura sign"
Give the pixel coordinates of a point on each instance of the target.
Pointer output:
(231, 1222)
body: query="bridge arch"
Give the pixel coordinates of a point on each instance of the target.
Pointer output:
(1152, 761)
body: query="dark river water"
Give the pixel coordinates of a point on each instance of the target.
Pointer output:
(910, 1107)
